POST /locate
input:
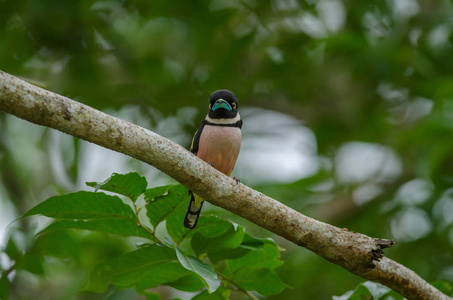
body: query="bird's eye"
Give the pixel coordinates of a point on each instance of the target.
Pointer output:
(234, 105)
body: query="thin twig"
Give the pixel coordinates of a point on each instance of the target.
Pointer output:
(230, 281)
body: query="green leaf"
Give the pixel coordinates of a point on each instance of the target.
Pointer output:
(377, 290)
(130, 185)
(264, 281)
(370, 290)
(152, 296)
(123, 227)
(84, 205)
(4, 286)
(162, 207)
(345, 296)
(125, 270)
(152, 193)
(176, 229)
(209, 226)
(254, 270)
(11, 249)
(255, 243)
(222, 293)
(268, 257)
(204, 271)
(161, 274)
(205, 245)
(225, 254)
(213, 226)
(248, 243)
(189, 283)
(392, 295)
(32, 263)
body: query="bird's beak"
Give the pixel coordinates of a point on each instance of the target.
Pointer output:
(221, 104)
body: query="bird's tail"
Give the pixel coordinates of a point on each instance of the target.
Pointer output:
(196, 203)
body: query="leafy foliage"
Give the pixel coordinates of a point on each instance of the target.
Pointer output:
(216, 253)
(131, 185)
(372, 291)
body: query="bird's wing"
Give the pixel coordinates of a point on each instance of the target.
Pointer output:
(196, 139)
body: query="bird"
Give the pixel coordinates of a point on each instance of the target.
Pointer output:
(217, 141)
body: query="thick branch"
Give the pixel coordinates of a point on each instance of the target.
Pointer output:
(357, 253)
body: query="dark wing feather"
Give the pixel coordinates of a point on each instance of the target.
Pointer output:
(194, 214)
(196, 139)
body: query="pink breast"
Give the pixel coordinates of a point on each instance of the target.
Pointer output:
(220, 145)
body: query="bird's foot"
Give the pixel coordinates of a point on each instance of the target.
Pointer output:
(237, 180)
(211, 164)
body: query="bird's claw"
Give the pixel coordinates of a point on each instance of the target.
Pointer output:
(237, 180)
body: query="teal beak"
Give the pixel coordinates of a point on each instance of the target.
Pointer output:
(221, 104)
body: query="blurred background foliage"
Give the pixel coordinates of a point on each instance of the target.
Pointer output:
(347, 108)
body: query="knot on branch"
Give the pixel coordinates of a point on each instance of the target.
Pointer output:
(378, 253)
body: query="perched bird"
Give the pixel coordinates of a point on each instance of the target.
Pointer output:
(217, 141)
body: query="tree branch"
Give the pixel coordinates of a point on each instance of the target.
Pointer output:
(357, 253)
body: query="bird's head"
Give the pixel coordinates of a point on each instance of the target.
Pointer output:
(223, 105)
